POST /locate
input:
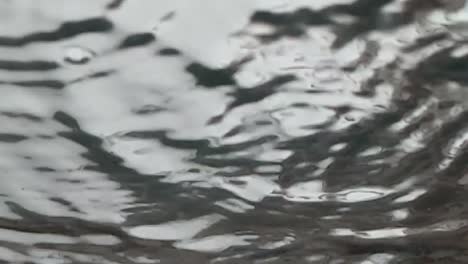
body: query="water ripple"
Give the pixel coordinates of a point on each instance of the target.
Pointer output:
(254, 132)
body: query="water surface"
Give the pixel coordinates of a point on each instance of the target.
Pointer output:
(241, 131)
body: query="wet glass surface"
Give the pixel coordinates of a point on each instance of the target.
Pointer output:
(248, 131)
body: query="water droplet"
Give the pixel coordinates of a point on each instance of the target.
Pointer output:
(78, 55)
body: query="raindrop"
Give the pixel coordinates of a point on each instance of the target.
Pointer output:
(78, 55)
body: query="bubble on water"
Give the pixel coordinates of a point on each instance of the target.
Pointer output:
(78, 55)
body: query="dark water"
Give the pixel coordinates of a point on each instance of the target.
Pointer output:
(243, 131)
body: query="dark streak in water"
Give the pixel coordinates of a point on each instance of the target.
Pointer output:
(50, 84)
(168, 52)
(136, 40)
(106, 161)
(11, 138)
(114, 4)
(244, 96)
(95, 75)
(27, 116)
(426, 41)
(164, 139)
(211, 77)
(65, 31)
(11, 65)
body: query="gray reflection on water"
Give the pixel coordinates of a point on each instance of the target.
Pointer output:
(247, 132)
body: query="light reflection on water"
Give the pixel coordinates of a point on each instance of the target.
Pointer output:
(247, 132)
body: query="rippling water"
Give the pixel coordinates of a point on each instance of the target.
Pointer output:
(248, 131)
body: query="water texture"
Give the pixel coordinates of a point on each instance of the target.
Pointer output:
(247, 131)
